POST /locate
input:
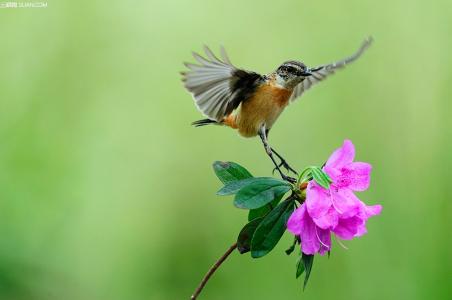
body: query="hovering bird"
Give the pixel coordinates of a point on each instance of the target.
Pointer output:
(248, 101)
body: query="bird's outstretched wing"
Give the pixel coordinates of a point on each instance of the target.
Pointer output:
(217, 86)
(322, 72)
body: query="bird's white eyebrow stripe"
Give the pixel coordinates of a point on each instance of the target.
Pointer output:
(294, 65)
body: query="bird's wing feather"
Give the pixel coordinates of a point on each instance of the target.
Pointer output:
(217, 86)
(322, 72)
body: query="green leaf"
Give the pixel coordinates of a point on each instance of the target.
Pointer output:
(262, 211)
(300, 267)
(246, 234)
(305, 174)
(307, 263)
(258, 193)
(233, 187)
(228, 171)
(321, 177)
(292, 247)
(272, 227)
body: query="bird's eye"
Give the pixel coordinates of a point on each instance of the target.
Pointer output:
(291, 69)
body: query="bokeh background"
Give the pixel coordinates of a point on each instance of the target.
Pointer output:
(107, 192)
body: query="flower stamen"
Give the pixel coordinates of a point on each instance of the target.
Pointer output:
(317, 234)
(340, 243)
(332, 201)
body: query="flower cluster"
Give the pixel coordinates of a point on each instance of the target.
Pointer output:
(337, 209)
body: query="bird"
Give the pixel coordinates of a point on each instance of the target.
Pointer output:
(250, 102)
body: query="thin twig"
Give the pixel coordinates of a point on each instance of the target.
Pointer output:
(212, 270)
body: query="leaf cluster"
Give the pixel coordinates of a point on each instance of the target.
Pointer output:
(268, 212)
(262, 196)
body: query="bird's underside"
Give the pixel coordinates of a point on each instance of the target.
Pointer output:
(247, 101)
(260, 110)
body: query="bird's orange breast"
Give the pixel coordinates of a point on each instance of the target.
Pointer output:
(262, 108)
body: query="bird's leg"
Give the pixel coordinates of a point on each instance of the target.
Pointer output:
(284, 162)
(268, 149)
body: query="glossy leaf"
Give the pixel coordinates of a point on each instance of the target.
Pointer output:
(258, 193)
(307, 263)
(246, 235)
(300, 267)
(262, 211)
(270, 230)
(292, 247)
(228, 171)
(234, 186)
(321, 177)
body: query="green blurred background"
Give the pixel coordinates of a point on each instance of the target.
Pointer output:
(107, 192)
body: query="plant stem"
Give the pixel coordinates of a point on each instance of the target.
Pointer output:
(212, 270)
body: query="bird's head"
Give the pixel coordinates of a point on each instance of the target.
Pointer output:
(291, 73)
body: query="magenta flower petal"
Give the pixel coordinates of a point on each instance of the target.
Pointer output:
(336, 209)
(296, 220)
(326, 206)
(345, 202)
(318, 201)
(328, 220)
(342, 156)
(335, 174)
(313, 239)
(357, 176)
(324, 237)
(373, 210)
(347, 228)
(365, 213)
(302, 225)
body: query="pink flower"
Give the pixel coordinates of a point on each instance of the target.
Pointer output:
(336, 209)
(313, 238)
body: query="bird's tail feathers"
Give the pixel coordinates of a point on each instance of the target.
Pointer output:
(205, 122)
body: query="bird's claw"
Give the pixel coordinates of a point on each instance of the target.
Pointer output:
(286, 166)
(278, 168)
(289, 179)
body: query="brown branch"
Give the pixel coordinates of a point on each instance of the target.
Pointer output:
(212, 270)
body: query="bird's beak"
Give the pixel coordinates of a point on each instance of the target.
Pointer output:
(310, 71)
(306, 73)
